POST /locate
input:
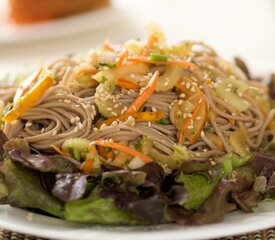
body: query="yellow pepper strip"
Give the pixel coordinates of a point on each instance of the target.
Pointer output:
(138, 116)
(30, 98)
(26, 84)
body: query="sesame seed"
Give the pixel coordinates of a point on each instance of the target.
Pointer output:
(114, 123)
(190, 127)
(116, 105)
(111, 140)
(103, 126)
(109, 109)
(194, 84)
(228, 89)
(213, 163)
(166, 84)
(114, 114)
(202, 134)
(188, 85)
(246, 102)
(198, 118)
(150, 74)
(197, 154)
(149, 124)
(67, 101)
(184, 115)
(182, 95)
(205, 150)
(189, 115)
(54, 132)
(28, 124)
(180, 102)
(42, 130)
(75, 129)
(95, 129)
(77, 119)
(182, 83)
(193, 89)
(80, 126)
(154, 109)
(72, 120)
(229, 85)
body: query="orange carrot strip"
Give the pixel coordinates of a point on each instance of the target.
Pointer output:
(88, 166)
(198, 121)
(145, 95)
(123, 148)
(127, 84)
(152, 40)
(120, 60)
(139, 117)
(181, 63)
(104, 154)
(111, 47)
(59, 151)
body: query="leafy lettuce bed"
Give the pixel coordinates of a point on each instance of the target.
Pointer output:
(199, 192)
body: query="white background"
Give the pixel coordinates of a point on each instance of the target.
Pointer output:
(237, 27)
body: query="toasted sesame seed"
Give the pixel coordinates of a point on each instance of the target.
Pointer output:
(54, 132)
(28, 124)
(228, 89)
(80, 126)
(154, 109)
(180, 102)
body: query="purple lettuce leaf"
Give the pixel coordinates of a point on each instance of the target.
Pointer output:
(70, 187)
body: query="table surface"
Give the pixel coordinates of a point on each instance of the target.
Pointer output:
(244, 28)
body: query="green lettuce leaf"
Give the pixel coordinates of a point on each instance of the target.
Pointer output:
(25, 189)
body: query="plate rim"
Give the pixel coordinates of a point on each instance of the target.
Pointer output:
(265, 221)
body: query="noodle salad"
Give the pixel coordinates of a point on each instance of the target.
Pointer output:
(138, 133)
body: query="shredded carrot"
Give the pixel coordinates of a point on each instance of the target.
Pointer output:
(123, 148)
(88, 166)
(138, 116)
(193, 134)
(122, 82)
(145, 95)
(208, 81)
(85, 70)
(120, 60)
(59, 151)
(106, 155)
(181, 63)
(111, 47)
(152, 40)
(232, 121)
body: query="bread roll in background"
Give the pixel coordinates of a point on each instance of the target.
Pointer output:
(25, 11)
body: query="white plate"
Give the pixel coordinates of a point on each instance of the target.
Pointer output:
(12, 33)
(43, 226)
